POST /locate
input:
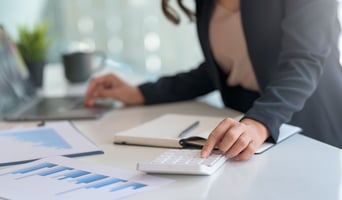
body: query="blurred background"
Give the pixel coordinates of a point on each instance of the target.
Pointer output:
(133, 31)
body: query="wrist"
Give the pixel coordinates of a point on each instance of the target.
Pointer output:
(139, 97)
(258, 126)
(136, 97)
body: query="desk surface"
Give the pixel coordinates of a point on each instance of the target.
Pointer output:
(298, 168)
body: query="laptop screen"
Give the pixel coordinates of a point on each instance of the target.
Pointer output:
(15, 86)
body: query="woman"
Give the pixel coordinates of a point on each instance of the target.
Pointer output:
(275, 60)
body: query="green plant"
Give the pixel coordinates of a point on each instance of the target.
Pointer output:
(33, 44)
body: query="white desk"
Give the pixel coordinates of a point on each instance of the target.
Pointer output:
(299, 168)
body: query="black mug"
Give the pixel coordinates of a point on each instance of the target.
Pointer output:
(79, 66)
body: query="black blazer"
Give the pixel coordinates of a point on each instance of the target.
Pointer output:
(293, 46)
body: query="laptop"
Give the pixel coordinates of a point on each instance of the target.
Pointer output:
(19, 99)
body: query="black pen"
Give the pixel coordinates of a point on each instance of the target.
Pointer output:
(187, 129)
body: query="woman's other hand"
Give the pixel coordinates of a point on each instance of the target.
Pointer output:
(111, 86)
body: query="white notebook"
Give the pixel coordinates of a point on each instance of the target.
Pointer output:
(164, 132)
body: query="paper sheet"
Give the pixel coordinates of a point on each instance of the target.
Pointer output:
(60, 178)
(55, 138)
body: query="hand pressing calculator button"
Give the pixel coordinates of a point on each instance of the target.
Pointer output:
(183, 161)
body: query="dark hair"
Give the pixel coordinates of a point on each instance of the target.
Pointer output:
(172, 15)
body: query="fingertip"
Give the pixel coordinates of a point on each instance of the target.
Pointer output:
(243, 157)
(204, 153)
(89, 103)
(206, 150)
(237, 158)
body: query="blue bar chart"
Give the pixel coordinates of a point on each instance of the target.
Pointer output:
(64, 181)
(54, 139)
(46, 137)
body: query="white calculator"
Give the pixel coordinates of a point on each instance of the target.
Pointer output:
(183, 161)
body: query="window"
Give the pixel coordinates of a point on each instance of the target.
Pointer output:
(133, 31)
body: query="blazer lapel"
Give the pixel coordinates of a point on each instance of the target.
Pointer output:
(206, 11)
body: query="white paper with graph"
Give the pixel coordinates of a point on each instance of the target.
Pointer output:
(20, 145)
(60, 178)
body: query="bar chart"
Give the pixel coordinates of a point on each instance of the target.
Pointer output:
(45, 137)
(58, 179)
(53, 139)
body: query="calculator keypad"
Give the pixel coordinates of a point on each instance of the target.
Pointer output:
(183, 161)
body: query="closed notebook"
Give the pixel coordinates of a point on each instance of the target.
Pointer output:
(164, 131)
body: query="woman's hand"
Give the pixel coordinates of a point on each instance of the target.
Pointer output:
(111, 86)
(237, 140)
